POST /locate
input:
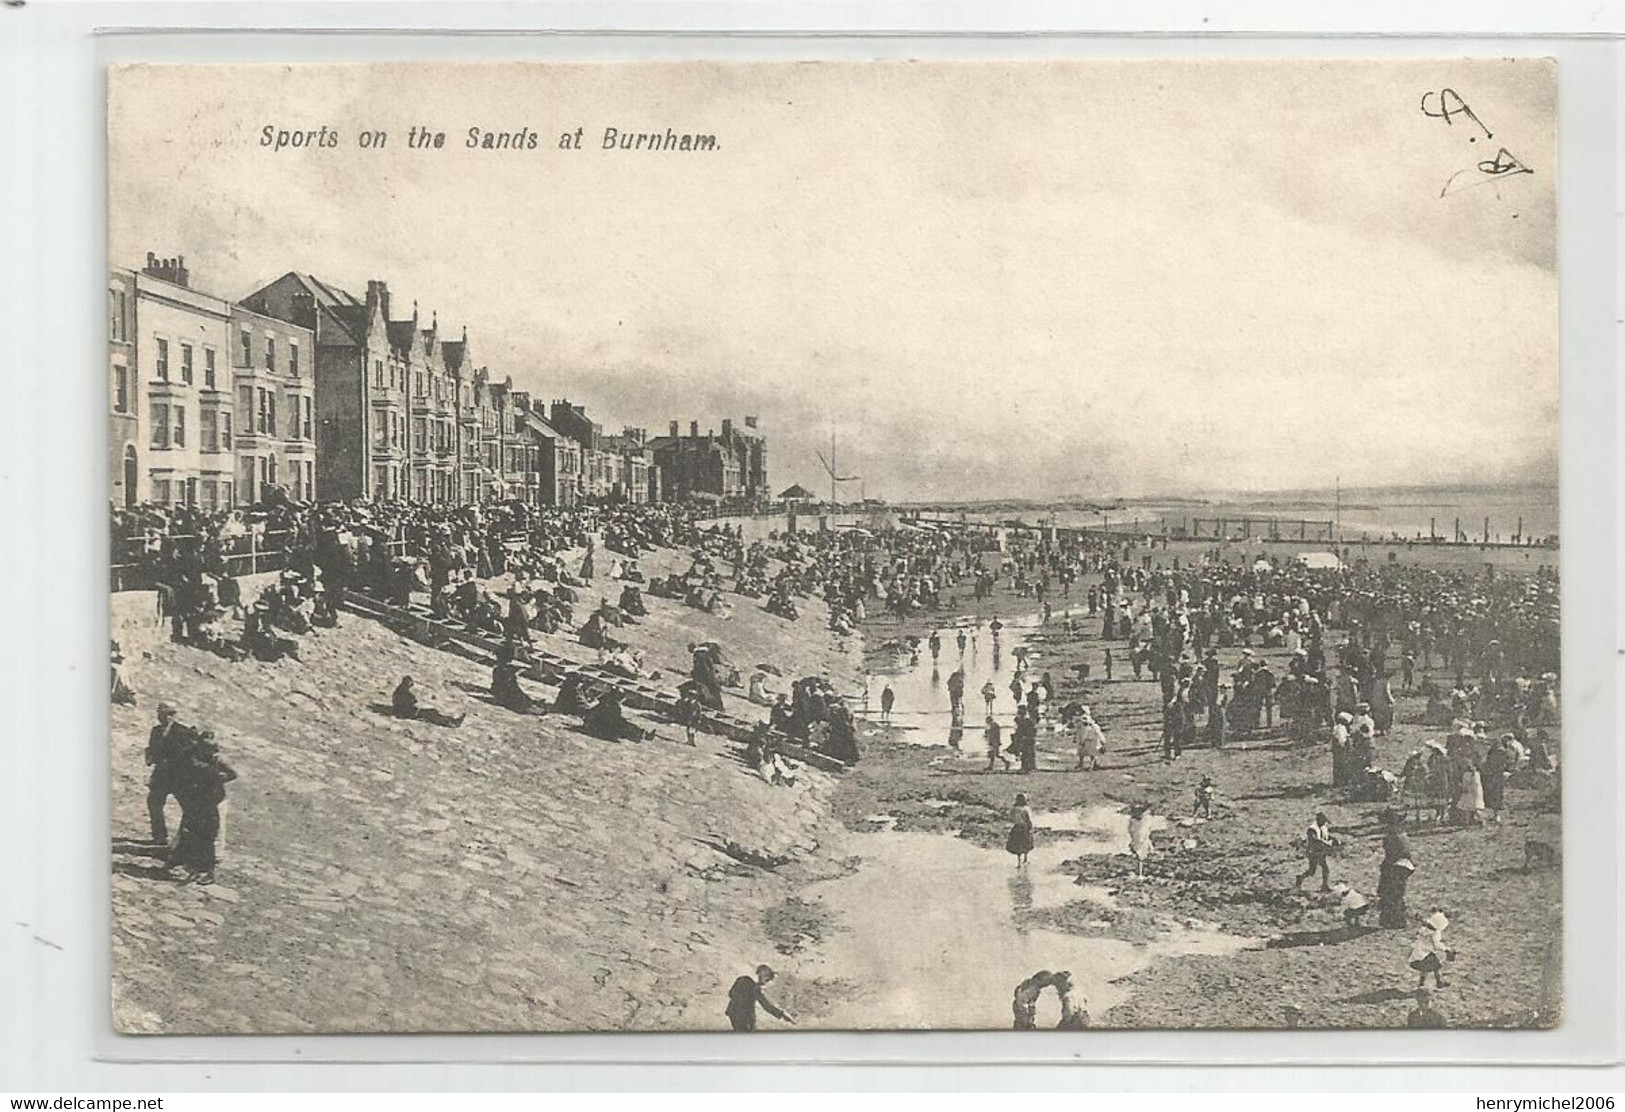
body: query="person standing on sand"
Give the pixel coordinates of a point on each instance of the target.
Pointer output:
(956, 692)
(1497, 763)
(936, 646)
(960, 640)
(167, 745)
(1025, 740)
(201, 788)
(1173, 729)
(1317, 847)
(888, 699)
(995, 744)
(1205, 792)
(1020, 839)
(989, 693)
(1139, 835)
(1394, 874)
(1218, 719)
(1470, 803)
(1090, 740)
(744, 996)
(1108, 664)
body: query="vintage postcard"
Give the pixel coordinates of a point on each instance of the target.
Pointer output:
(887, 546)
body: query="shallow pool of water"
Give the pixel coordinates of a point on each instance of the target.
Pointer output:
(1097, 829)
(922, 715)
(936, 931)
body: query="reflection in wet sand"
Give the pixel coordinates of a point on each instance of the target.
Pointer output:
(933, 925)
(923, 715)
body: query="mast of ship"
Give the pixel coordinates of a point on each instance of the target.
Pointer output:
(832, 471)
(1337, 520)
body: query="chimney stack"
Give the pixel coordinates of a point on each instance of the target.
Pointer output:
(169, 270)
(727, 428)
(693, 430)
(674, 430)
(378, 294)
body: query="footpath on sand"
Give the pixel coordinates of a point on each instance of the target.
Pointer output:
(512, 874)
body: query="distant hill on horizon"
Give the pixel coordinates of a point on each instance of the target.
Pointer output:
(1350, 495)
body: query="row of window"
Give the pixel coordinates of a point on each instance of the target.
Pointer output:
(169, 428)
(169, 425)
(245, 340)
(419, 483)
(210, 494)
(165, 368)
(258, 406)
(187, 363)
(260, 472)
(389, 429)
(256, 473)
(389, 375)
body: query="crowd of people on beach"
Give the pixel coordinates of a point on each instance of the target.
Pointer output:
(1314, 653)
(456, 559)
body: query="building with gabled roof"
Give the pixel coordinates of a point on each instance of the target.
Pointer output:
(360, 383)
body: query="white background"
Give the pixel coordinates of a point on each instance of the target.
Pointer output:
(54, 1033)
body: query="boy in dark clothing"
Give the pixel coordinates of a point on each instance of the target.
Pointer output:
(746, 994)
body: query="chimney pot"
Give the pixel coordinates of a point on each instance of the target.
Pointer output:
(693, 430)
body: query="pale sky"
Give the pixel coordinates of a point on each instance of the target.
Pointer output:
(1022, 279)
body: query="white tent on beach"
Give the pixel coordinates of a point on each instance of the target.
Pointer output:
(1320, 561)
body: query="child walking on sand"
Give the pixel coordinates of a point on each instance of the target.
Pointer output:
(1204, 798)
(1428, 951)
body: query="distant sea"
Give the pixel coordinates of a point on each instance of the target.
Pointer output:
(1374, 512)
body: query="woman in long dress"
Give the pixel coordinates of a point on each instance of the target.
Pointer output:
(1382, 705)
(1470, 803)
(1438, 781)
(1395, 873)
(1020, 839)
(1497, 766)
